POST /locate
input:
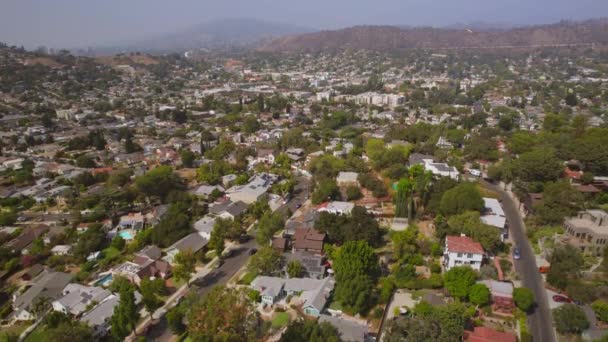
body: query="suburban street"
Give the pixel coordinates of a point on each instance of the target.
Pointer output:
(231, 265)
(539, 321)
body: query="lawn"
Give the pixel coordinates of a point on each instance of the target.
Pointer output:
(247, 278)
(38, 335)
(280, 320)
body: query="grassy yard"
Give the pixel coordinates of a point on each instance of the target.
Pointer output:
(280, 320)
(247, 278)
(38, 335)
(14, 330)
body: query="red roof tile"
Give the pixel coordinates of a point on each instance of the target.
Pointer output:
(463, 244)
(485, 334)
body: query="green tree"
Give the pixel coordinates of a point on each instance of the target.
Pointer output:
(310, 331)
(90, 241)
(353, 193)
(267, 261)
(600, 308)
(326, 190)
(570, 319)
(251, 124)
(118, 242)
(523, 298)
(185, 265)
(125, 316)
(224, 314)
(356, 267)
(295, 269)
(159, 182)
(459, 280)
(470, 224)
(538, 165)
(463, 197)
(187, 157)
(218, 234)
(566, 263)
(479, 294)
(150, 290)
(560, 200)
(269, 224)
(175, 320)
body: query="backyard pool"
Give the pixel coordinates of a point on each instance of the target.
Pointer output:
(126, 234)
(104, 281)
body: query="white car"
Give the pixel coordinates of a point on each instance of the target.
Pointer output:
(475, 172)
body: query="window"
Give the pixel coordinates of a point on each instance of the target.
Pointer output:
(460, 255)
(470, 255)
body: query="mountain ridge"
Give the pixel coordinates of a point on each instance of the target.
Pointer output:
(386, 38)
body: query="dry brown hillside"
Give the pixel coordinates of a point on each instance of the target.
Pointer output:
(385, 38)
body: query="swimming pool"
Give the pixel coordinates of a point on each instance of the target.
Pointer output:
(104, 281)
(126, 234)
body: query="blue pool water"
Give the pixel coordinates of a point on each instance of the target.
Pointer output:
(104, 281)
(125, 234)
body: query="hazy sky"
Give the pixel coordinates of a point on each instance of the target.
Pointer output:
(74, 23)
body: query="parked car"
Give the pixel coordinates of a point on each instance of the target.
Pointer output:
(252, 251)
(475, 173)
(516, 253)
(561, 299)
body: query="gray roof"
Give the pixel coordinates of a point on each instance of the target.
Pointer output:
(77, 297)
(418, 158)
(192, 241)
(47, 284)
(205, 224)
(312, 263)
(350, 331)
(317, 298)
(104, 310)
(233, 208)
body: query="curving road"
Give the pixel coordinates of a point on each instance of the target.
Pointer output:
(540, 323)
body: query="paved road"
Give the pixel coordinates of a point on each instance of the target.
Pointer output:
(539, 321)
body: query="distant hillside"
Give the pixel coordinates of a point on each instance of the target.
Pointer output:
(386, 38)
(219, 33)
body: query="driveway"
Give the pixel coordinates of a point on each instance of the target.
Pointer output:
(540, 323)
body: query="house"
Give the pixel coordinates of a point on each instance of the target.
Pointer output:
(279, 243)
(21, 242)
(77, 298)
(349, 329)
(146, 264)
(206, 190)
(132, 220)
(588, 231)
(441, 169)
(99, 317)
(345, 179)
(265, 156)
(485, 334)
(502, 295)
(313, 293)
(204, 226)
(308, 240)
(228, 209)
(444, 143)
(295, 154)
(336, 207)
(462, 250)
(253, 191)
(61, 250)
(193, 242)
(493, 215)
(314, 266)
(48, 285)
(418, 158)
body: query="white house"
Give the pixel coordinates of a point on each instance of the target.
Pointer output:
(441, 169)
(61, 250)
(462, 250)
(347, 179)
(77, 298)
(337, 207)
(204, 226)
(493, 215)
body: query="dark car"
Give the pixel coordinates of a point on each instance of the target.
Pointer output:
(252, 251)
(516, 254)
(561, 299)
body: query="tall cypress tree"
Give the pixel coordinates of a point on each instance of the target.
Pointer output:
(125, 315)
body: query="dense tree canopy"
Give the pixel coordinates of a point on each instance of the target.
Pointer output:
(463, 197)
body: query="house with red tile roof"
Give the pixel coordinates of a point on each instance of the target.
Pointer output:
(462, 251)
(485, 334)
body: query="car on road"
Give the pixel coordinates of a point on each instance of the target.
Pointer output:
(561, 299)
(21, 218)
(299, 206)
(516, 253)
(475, 172)
(252, 251)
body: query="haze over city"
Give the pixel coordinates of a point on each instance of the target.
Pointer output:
(75, 23)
